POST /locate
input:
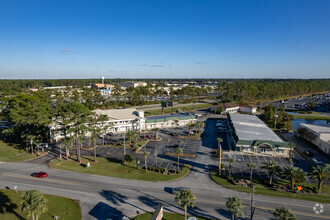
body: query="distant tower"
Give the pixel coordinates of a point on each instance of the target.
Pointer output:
(102, 79)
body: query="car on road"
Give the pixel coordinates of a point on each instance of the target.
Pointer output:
(40, 175)
(177, 189)
(317, 161)
(308, 153)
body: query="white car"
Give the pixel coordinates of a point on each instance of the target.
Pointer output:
(317, 161)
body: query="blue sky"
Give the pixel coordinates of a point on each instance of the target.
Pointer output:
(164, 39)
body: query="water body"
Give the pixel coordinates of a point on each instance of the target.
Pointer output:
(297, 121)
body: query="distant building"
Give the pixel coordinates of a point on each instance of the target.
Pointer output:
(226, 108)
(248, 109)
(319, 135)
(105, 89)
(169, 121)
(248, 134)
(132, 84)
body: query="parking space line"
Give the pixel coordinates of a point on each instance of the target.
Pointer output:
(257, 159)
(265, 159)
(167, 165)
(249, 158)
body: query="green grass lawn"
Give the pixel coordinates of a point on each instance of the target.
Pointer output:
(67, 209)
(312, 117)
(260, 188)
(13, 152)
(114, 168)
(166, 216)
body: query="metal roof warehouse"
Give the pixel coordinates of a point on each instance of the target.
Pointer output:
(251, 135)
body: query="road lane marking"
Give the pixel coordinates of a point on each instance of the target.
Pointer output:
(44, 180)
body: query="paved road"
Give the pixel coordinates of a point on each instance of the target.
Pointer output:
(105, 197)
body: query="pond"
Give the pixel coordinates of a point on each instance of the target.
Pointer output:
(297, 121)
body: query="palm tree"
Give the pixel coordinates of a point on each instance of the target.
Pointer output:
(156, 130)
(272, 168)
(234, 204)
(199, 125)
(231, 161)
(293, 174)
(145, 160)
(130, 135)
(283, 214)
(251, 166)
(321, 174)
(190, 127)
(180, 143)
(178, 151)
(220, 150)
(167, 141)
(185, 198)
(34, 203)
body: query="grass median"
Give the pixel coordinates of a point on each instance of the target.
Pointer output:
(10, 207)
(261, 187)
(14, 152)
(114, 168)
(166, 216)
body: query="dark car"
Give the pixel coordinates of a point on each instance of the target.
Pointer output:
(308, 153)
(40, 175)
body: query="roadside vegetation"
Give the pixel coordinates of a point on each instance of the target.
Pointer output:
(128, 169)
(279, 188)
(22, 205)
(14, 152)
(193, 106)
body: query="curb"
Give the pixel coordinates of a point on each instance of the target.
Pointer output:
(177, 178)
(28, 159)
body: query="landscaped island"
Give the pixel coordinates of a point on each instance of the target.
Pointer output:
(115, 168)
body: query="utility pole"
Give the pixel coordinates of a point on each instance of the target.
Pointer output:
(252, 204)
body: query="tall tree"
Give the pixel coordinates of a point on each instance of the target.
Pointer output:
(283, 214)
(235, 206)
(95, 128)
(34, 203)
(220, 153)
(80, 115)
(231, 161)
(252, 166)
(321, 173)
(293, 174)
(185, 198)
(130, 135)
(178, 152)
(145, 160)
(272, 168)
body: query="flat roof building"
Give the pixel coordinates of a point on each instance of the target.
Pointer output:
(319, 135)
(251, 135)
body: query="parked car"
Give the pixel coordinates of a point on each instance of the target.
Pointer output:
(177, 189)
(147, 136)
(43, 145)
(40, 175)
(308, 153)
(317, 161)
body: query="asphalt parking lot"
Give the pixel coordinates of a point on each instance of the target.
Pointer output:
(241, 160)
